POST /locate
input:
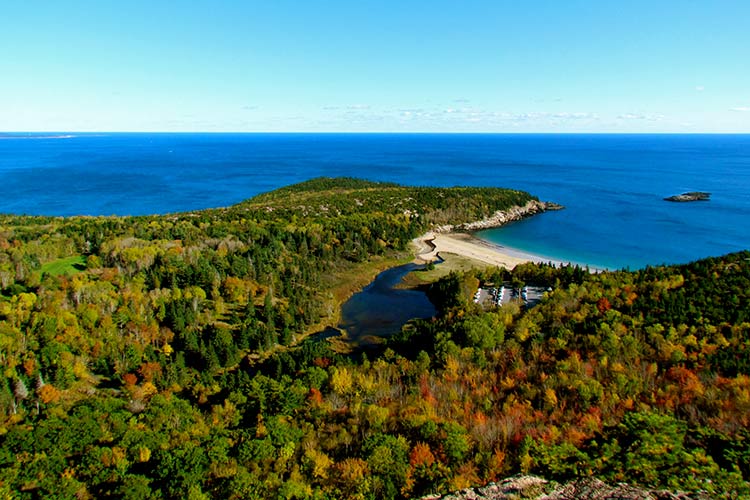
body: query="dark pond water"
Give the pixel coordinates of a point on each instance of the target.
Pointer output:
(381, 310)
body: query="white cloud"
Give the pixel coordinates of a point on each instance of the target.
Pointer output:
(350, 107)
(556, 118)
(652, 117)
(700, 88)
(741, 109)
(453, 117)
(576, 116)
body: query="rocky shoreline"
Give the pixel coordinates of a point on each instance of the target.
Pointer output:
(455, 239)
(692, 196)
(534, 487)
(502, 217)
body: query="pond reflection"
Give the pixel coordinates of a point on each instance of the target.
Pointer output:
(380, 309)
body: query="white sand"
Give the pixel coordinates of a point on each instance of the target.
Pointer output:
(431, 244)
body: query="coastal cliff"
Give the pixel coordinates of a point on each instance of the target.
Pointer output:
(502, 217)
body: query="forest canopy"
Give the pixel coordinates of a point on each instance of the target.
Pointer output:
(165, 356)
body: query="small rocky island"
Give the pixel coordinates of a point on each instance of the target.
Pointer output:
(691, 196)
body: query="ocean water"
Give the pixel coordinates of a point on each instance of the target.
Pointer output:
(612, 185)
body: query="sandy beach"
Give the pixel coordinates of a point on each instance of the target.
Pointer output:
(431, 244)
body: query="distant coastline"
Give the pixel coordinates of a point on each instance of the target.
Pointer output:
(14, 136)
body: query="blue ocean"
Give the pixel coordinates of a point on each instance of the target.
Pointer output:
(612, 185)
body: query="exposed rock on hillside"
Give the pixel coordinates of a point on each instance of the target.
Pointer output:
(502, 217)
(533, 487)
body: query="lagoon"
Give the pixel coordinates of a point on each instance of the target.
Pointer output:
(380, 309)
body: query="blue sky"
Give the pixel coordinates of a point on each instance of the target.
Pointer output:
(411, 66)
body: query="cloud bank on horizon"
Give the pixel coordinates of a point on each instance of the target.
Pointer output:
(438, 66)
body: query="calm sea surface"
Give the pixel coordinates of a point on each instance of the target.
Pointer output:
(612, 185)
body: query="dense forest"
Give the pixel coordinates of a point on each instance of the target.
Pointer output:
(169, 356)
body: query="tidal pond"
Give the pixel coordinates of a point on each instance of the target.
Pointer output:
(380, 309)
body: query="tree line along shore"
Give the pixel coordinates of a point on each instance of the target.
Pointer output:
(165, 356)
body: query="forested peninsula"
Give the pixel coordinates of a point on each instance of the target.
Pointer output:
(172, 357)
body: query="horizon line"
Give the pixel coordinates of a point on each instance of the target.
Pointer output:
(354, 132)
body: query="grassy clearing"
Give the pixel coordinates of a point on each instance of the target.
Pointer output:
(66, 266)
(347, 280)
(451, 262)
(356, 276)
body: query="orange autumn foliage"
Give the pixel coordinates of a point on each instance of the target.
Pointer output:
(48, 394)
(314, 396)
(130, 379)
(421, 455)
